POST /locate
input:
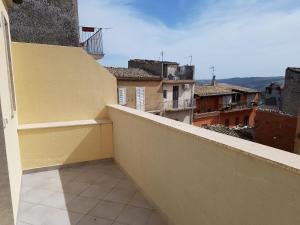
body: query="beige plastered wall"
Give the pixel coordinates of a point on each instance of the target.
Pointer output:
(61, 84)
(196, 176)
(153, 93)
(10, 127)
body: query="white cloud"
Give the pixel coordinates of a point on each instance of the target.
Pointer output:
(238, 38)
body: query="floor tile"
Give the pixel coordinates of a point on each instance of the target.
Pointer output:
(75, 188)
(156, 219)
(54, 184)
(127, 184)
(64, 197)
(139, 200)
(90, 220)
(82, 204)
(60, 217)
(23, 223)
(36, 195)
(58, 200)
(34, 215)
(31, 180)
(96, 191)
(108, 210)
(107, 181)
(134, 216)
(120, 195)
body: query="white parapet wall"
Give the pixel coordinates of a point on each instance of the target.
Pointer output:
(199, 177)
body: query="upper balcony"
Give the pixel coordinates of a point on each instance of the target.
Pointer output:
(91, 41)
(177, 105)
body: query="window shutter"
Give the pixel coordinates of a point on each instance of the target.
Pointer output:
(140, 98)
(122, 96)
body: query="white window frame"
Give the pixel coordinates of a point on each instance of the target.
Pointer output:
(140, 98)
(122, 95)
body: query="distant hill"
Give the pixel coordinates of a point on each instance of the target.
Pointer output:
(258, 83)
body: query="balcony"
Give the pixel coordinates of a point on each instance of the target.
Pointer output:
(86, 160)
(236, 106)
(91, 41)
(178, 105)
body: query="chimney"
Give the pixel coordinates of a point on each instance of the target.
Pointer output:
(213, 82)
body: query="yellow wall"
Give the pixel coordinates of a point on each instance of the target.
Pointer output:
(56, 83)
(196, 176)
(10, 132)
(297, 138)
(59, 84)
(58, 146)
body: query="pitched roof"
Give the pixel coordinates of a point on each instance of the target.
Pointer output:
(221, 89)
(132, 74)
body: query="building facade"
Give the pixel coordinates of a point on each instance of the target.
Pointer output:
(138, 89)
(224, 104)
(163, 88)
(291, 91)
(52, 22)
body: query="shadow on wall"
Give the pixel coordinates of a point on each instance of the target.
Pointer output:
(6, 212)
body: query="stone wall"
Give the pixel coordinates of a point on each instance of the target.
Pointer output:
(52, 22)
(154, 67)
(291, 92)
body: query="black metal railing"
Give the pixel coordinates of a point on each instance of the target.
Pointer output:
(91, 41)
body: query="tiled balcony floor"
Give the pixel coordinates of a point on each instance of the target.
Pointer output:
(94, 194)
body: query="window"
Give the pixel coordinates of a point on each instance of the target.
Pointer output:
(237, 121)
(122, 96)
(140, 98)
(227, 123)
(165, 94)
(246, 120)
(238, 97)
(9, 69)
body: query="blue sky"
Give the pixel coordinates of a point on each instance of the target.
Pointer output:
(239, 37)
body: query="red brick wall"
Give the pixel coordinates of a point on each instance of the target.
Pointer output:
(231, 115)
(275, 130)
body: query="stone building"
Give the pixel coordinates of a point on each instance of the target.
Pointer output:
(291, 91)
(273, 95)
(52, 22)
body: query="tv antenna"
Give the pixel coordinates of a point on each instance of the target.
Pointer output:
(191, 59)
(213, 70)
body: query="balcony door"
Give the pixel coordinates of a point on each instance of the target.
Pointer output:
(175, 96)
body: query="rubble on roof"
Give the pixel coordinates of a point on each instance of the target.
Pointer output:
(239, 132)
